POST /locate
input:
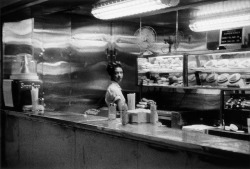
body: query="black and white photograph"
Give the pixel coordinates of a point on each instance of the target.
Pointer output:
(125, 84)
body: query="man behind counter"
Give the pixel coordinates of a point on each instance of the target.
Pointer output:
(114, 91)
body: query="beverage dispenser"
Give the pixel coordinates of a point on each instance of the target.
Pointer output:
(17, 89)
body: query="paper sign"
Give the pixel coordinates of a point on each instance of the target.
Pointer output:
(7, 93)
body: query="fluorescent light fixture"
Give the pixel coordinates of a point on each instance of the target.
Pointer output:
(220, 22)
(122, 8)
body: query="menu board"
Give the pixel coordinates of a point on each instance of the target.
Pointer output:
(232, 36)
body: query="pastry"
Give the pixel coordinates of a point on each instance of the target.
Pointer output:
(192, 64)
(173, 79)
(176, 62)
(147, 53)
(223, 79)
(235, 79)
(163, 79)
(233, 63)
(203, 76)
(222, 63)
(169, 60)
(202, 63)
(180, 79)
(245, 64)
(191, 80)
(212, 79)
(210, 63)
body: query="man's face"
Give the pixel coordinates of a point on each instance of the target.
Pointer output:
(118, 75)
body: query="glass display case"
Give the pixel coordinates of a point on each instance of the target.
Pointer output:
(216, 70)
(221, 70)
(161, 71)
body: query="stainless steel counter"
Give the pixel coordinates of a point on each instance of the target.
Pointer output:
(146, 132)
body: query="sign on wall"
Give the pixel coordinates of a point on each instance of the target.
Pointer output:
(231, 37)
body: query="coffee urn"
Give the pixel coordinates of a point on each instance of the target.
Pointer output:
(17, 89)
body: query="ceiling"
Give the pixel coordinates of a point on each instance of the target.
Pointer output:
(15, 10)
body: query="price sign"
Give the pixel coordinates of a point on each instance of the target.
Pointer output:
(232, 36)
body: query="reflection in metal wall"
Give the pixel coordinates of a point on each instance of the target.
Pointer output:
(51, 49)
(126, 50)
(72, 56)
(89, 43)
(17, 38)
(72, 53)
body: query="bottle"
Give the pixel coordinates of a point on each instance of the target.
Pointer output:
(124, 115)
(112, 111)
(238, 106)
(153, 114)
(41, 106)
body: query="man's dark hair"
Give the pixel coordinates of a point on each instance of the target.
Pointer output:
(112, 66)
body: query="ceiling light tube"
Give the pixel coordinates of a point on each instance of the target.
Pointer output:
(223, 22)
(122, 8)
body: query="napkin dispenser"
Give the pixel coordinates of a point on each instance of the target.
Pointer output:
(139, 116)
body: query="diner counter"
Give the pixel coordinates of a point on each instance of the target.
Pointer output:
(146, 132)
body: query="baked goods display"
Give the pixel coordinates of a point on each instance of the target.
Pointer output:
(221, 64)
(160, 64)
(230, 69)
(161, 80)
(217, 70)
(160, 71)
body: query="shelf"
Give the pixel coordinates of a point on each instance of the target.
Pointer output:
(222, 70)
(181, 87)
(197, 87)
(233, 89)
(165, 86)
(238, 110)
(161, 71)
(169, 71)
(211, 52)
(229, 134)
